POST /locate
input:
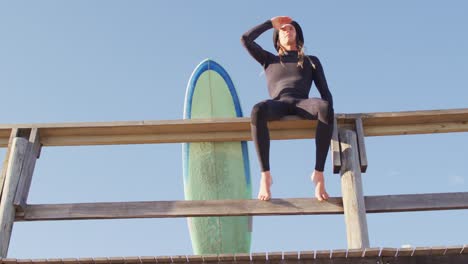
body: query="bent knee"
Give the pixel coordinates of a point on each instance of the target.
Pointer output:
(324, 113)
(258, 112)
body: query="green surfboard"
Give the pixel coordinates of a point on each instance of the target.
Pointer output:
(216, 170)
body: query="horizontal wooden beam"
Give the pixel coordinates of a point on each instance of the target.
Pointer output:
(445, 254)
(238, 129)
(294, 206)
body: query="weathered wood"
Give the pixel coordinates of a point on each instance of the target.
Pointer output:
(355, 252)
(403, 252)
(438, 250)
(238, 129)
(361, 145)
(179, 259)
(193, 258)
(308, 254)
(465, 249)
(32, 153)
(371, 252)
(258, 258)
(242, 257)
(12, 135)
(416, 202)
(335, 148)
(323, 258)
(338, 253)
(322, 254)
(162, 209)
(388, 252)
(7, 210)
(451, 250)
(275, 257)
(351, 188)
(291, 206)
(226, 257)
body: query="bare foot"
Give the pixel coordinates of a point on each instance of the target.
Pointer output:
(318, 179)
(264, 193)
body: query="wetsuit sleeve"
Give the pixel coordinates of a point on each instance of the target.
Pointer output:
(248, 41)
(321, 82)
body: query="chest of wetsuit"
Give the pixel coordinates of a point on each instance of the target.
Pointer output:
(284, 77)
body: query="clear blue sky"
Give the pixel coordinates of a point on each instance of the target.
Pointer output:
(82, 61)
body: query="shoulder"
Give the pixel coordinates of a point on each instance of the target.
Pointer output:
(314, 58)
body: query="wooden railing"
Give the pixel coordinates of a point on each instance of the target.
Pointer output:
(24, 142)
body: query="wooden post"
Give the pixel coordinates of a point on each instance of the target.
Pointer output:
(335, 148)
(24, 184)
(361, 145)
(351, 188)
(7, 210)
(13, 134)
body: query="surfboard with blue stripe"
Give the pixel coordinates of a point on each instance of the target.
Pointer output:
(216, 170)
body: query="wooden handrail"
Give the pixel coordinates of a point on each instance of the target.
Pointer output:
(237, 129)
(292, 206)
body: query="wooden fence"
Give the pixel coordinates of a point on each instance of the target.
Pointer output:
(348, 155)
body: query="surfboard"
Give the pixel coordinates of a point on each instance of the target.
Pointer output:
(215, 170)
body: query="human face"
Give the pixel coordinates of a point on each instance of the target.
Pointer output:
(287, 35)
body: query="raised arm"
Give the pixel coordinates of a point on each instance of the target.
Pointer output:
(255, 50)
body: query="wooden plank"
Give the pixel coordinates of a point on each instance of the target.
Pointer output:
(335, 148)
(322, 254)
(338, 253)
(412, 117)
(429, 128)
(438, 250)
(101, 260)
(238, 129)
(7, 210)
(179, 259)
(151, 260)
(8, 261)
(69, 261)
(226, 258)
(88, 261)
(291, 206)
(371, 258)
(422, 251)
(193, 259)
(162, 209)
(403, 252)
(465, 249)
(12, 135)
(128, 260)
(242, 257)
(416, 202)
(259, 257)
(351, 189)
(163, 259)
(454, 250)
(308, 254)
(208, 258)
(32, 153)
(361, 145)
(371, 252)
(43, 261)
(275, 257)
(388, 252)
(291, 255)
(355, 252)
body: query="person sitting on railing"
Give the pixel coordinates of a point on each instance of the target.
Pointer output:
(289, 79)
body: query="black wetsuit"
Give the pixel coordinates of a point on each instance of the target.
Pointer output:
(289, 86)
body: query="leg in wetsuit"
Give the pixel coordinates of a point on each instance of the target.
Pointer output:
(311, 108)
